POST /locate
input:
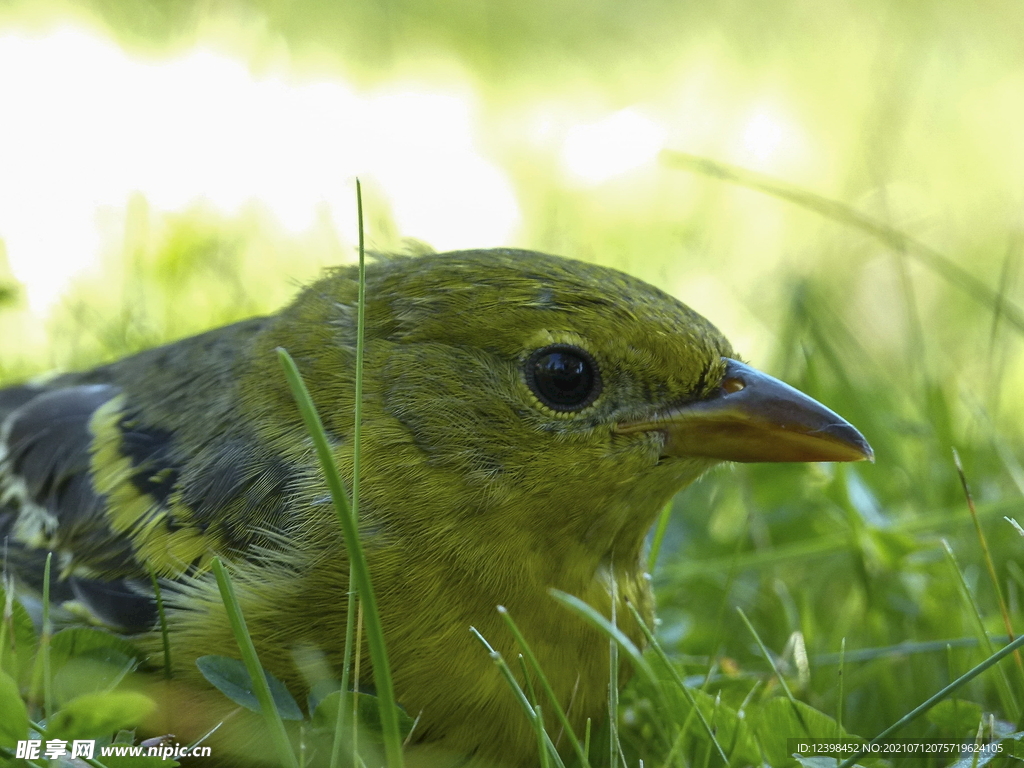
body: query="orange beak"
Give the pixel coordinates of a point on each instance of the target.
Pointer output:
(755, 417)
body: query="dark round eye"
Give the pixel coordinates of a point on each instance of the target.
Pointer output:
(563, 377)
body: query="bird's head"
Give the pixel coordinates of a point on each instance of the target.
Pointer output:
(561, 396)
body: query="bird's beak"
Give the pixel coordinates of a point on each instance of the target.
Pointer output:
(754, 417)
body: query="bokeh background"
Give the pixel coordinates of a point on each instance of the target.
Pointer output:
(170, 165)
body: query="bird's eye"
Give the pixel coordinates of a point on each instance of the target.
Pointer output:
(563, 377)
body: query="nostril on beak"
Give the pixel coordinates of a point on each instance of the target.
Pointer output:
(732, 385)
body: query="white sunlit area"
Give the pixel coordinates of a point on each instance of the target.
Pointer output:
(87, 125)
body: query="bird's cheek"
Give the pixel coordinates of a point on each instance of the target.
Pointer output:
(645, 448)
(647, 457)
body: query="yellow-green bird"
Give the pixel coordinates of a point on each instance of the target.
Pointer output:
(525, 418)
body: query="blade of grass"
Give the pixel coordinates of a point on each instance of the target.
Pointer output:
(44, 641)
(41, 730)
(591, 615)
(1007, 277)
(340, 723)
(355, 683)
(278, 734)
(162, 616)
(613, 686)
(538, 719)
(527, 681)
(8, 756)
(775, 669)
(215, 728)
(347, 515)
(660, 652)
(528, 655)
(659, 536)
(906, 648)
(616, 635)
(987, 556)
(951, 674)
(1009, 701)
(7, 620)
(841, 675)
(520, 696)
(707, 748)
(939, 263)
(935, 699)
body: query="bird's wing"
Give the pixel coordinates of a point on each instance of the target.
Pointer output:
(138, 468)
(48, 502)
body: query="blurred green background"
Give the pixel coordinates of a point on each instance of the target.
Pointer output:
(169, 166)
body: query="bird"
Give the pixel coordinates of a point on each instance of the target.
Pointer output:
(525, 417)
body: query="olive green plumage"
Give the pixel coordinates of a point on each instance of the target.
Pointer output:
(475, 492)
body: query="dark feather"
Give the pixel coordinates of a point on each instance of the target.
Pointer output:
(210, 474)
(45, 469)
(47, 448)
